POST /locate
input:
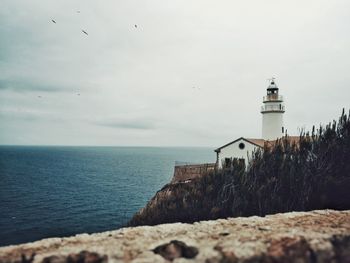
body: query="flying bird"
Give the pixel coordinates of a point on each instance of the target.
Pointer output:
(85, 32)
(78, 11)
(53, 21)
(135, 26)
(39, 97)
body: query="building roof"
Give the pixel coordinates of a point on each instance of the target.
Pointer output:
(259, 142)
(291, 139)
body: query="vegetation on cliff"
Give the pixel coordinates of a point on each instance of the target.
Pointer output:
(311, 174)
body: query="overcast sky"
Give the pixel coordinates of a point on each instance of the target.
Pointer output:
(192, 73)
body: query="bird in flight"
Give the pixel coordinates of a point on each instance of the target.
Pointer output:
(39, 97)
(53, 21)
(85, 32)
(78, 11)
(135, 26)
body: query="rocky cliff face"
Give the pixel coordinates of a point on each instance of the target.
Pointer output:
(185, 202)
(317, 236)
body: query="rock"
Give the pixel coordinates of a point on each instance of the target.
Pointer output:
(176, 249)
(316, 236)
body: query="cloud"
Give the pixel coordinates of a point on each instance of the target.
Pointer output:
(13, 114)
(126, 85)
(23, 85)
(24, 116)
(135, 124)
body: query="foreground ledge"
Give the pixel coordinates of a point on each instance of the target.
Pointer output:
(317, 236)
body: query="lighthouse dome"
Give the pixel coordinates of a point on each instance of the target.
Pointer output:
(272, 86)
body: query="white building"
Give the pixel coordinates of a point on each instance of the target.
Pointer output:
(242, 148)
(272, 128)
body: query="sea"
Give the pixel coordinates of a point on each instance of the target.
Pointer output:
(50, 191)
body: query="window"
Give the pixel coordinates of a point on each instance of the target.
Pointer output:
(241, 146)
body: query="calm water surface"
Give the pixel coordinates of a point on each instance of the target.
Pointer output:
(62, 191)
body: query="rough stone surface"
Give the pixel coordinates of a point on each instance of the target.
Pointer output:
(317, 236)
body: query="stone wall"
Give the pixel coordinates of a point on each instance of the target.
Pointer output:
(182, 173)
(317, 236)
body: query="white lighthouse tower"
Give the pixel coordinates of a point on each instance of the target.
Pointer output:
(272, 113)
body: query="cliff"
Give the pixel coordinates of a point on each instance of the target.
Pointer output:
(286, 176)
(185, 202)
(317, 236)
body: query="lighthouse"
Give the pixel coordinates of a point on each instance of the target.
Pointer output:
(272, 128)
(272, 113)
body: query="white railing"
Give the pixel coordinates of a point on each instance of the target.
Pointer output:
(279, 108)
(179, 163)
(272, 97)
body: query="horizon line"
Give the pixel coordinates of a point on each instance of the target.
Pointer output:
(130, 146)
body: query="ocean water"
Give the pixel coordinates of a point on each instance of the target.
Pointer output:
(62, 191)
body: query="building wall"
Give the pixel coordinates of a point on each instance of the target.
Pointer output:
(233, 151)
(272, 120)
(272, 125)
(191, 171)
